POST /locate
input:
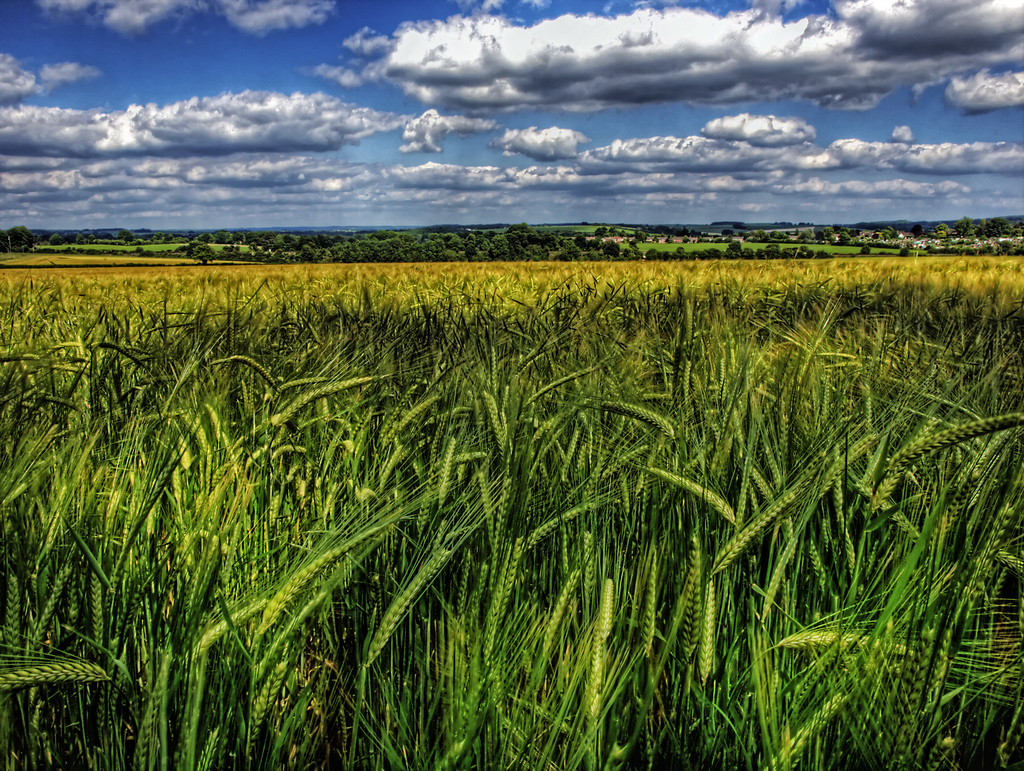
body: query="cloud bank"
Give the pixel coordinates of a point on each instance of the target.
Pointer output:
(849, 59)
(135, 17)
(250, 121)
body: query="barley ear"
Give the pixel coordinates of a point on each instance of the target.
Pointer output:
(706, 658)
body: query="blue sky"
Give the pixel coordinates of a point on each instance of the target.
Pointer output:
(259, 113)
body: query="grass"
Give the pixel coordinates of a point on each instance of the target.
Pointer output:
(726, 515)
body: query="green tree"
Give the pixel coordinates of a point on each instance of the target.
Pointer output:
(200, 252)
(964, 227)
(570, 250)
(56, 240)
(18, 239)
(998, 227)
(942, 230)
(126, 235)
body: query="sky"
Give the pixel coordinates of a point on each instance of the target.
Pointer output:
(167, 114)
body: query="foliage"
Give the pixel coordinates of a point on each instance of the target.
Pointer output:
(488, 518)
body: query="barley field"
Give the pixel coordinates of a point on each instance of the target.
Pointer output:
(542, 516)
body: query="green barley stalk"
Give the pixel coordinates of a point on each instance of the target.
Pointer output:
(411, 416)
(312, 395)
(688, 604)
(559, 611)
(603, 628)
(304, 575)
(651, 603)
(16, 678)
(706, 656)
(54, 596)
(643, 414)
(932, 442)
(397, 609)
(497, 424)
(714, 500)
(739, 543)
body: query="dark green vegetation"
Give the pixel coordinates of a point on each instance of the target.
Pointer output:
(523, 243)
(250, 524)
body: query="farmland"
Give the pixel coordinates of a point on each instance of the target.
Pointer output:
(604, 515)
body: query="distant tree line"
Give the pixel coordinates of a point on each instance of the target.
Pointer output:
(519, 242)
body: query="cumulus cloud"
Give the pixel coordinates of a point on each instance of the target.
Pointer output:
(343, 76)
(135, 17)
(849, 58)
(703, 154)
(366, 42)
(984, 92)
(886, 189)
(249, 188)
(903, 135)
(943, 158)
(548, 144)
(760, 130)
(15, 83)
(425, 133)
(56, 75)
(249, 121)
(259, 18)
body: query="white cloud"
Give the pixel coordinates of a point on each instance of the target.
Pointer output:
(886, 189)
(703, 154)
(984, 92)
(56, 75)
(15, 83)
(366, 42)
(425, 133)
(259, 18)
(848, 59)
(903, 135)
(695, 153)
(249, 121)
(548, 144)
(343, 76)
(135, 17)
(760, 130)
(944, 158)
(250, 189)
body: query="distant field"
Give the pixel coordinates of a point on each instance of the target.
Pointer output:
(829, 250)
(65, 260)
(101, 248)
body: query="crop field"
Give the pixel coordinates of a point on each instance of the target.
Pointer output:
(819, 250)
(66, 260)
(718, 515)
(119, 247)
